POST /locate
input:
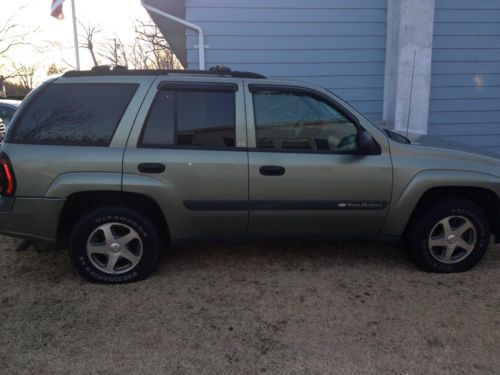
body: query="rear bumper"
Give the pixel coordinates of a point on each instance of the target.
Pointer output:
(30, 218)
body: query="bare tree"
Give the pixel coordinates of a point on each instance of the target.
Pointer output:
(51, 121)
(3, 82)
(151, 50)
(90, 31)
(25, 74)
(56, 69)
(115, 52)
(4, 77)
(139, 58)
(8, 82)
(12, 34)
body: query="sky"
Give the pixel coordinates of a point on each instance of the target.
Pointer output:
(114, 17)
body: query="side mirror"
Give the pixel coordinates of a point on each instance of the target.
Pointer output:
(367, 145)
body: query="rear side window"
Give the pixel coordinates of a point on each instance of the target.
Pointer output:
(74, 114)
(185, 118)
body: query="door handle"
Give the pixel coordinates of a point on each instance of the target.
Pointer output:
(272, 170)
(151, 168)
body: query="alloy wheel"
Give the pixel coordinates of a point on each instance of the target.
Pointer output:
(114, 248)
(452, 239)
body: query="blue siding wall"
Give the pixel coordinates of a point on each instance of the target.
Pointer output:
(338, 44)
(465, 92)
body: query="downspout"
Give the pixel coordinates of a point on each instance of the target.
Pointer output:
(192, 26)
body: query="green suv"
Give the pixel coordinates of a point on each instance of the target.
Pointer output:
(118, 164)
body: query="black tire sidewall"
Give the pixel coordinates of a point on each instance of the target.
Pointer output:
(419, 249)
(146, 230)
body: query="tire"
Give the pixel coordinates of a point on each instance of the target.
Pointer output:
(457, 246)
(115, 245)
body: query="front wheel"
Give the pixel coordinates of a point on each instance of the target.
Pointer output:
(115, 245)
(451, 236)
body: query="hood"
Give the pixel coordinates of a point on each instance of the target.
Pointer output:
(430, 153)
(446, 144)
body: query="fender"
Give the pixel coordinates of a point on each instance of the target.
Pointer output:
(404, 203)
(68, 183)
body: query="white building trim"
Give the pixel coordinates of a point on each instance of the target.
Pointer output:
(407, 80)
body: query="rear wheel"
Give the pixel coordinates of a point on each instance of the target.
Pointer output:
(115, 245)
(451, 236)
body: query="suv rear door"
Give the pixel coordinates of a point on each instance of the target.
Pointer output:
(187, 150)
(306, 176)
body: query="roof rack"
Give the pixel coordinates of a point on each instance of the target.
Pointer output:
(107, 70)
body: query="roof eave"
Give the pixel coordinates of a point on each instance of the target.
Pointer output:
(174, 33)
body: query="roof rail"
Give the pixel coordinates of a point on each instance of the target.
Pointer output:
(107, 70)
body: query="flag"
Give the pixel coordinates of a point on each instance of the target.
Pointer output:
(56, 10)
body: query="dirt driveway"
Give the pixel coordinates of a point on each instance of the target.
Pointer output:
(285, 308)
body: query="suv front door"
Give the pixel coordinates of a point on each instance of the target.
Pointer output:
(187, 150)
(306, 174)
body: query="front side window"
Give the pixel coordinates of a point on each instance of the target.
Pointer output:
(297, 121)
(74, 114)
(194, 118)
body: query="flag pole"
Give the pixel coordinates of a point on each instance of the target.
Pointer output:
(75, 35)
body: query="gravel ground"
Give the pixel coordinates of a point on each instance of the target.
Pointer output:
(284, 308)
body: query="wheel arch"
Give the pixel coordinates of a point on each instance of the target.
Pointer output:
(77, 204)
(427, 186)
(484, 198)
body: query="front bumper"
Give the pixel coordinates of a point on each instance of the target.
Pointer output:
(30, 218)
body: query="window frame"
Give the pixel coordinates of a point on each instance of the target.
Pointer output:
(261, 88)
(174, 87)
(30, 99)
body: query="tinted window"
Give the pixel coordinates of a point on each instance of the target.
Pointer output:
(6, 114)
(191, 118)
(301, 122)
(74, 114)
(159, 128)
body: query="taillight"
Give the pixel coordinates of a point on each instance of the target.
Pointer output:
(7, 179)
